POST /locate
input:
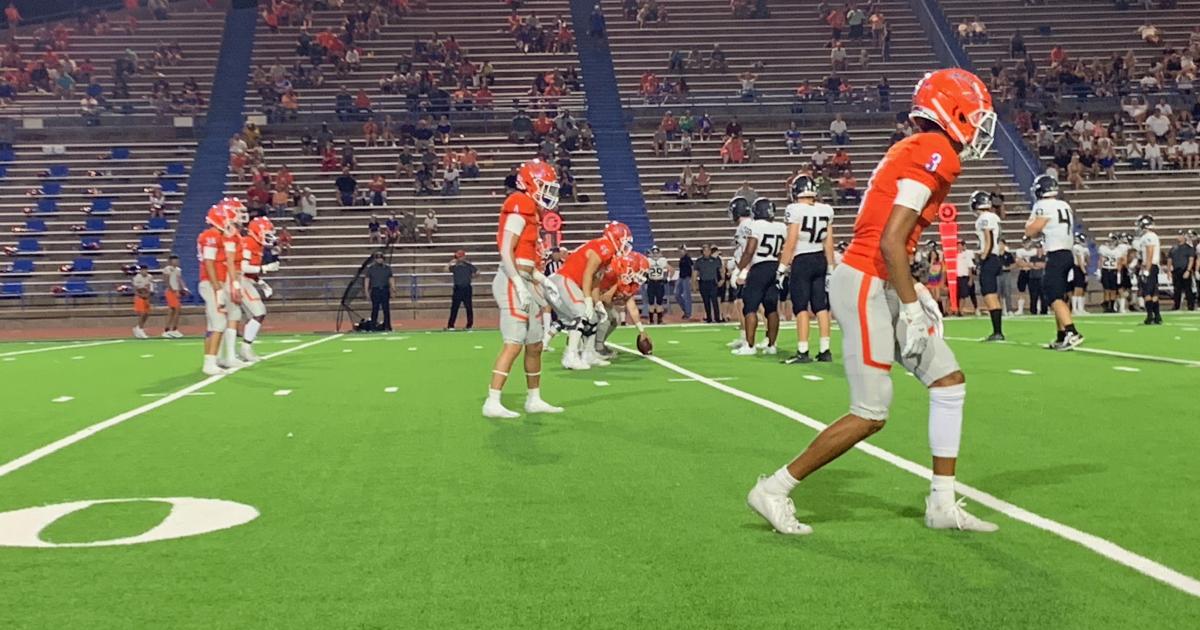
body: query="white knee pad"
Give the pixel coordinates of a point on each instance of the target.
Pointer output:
(945, 419)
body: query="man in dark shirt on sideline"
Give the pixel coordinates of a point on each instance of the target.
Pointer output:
(683, 284)
(463, 272)
(708, 273)
(380, 284)
(1183, 269)
(1037, 271)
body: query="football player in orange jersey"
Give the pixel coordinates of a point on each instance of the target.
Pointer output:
(216, 275)
(520, 288)
(620, 285)
(260, 234)
(883, 316)
(575, 282)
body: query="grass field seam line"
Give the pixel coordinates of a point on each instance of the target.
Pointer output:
(63, 347)
(88, 432)
(1103, 547)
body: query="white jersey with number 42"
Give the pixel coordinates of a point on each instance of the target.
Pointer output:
(770, 237)
(814, 220)
(1059, 220)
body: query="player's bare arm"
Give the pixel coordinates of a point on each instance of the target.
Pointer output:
(1035, 227)
(789, 246)
(894, 246)
(829, 247)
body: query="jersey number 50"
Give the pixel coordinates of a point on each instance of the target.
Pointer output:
(771, 246)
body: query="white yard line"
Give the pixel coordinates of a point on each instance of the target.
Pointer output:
(692, 380)
(1088, 350)
(1106, 548)
(88, 432)
(64, 347)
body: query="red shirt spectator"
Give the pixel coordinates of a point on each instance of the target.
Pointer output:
(1058, 55)
(283, 179)
(131, 5)
(258, 196)
(542, 124)
(361, 100)
(484, 99)
(13, 15)
(668, 123)
(650, 84)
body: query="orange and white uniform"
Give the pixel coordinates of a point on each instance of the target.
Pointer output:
(211, 246)
(173, 278)
(916, 173)
(253, 304)
(569, 278)
(519, 225)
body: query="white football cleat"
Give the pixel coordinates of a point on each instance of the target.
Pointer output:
(761, 344)
(770, 350)
(138, 333)
(537, 405)
(212, 370)
(167, 335)
(176, 334)
(246, 353)
(572, 361)
(593, 359)
(736, 343)
(496, 409)
(953, 516)
(232, 364)
(777, 510)
(745, 350)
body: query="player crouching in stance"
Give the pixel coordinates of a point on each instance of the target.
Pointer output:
(758, 269)
(519, 288)
(1053, 219)
(807, 259)
(880, 311)
(219, 248)
(620, 284)
(574, 298)
(260, 235)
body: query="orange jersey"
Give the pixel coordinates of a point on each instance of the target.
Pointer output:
(252, 252)
(519, 206)
(576, 263)
(611, 279)
(211, 246)
(927, 158)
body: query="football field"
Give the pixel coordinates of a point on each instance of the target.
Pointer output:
(355, 485)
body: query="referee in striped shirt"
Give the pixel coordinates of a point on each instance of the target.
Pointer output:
(553, 261)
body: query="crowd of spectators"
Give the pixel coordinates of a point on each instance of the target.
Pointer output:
(557, 139)
(534, 35)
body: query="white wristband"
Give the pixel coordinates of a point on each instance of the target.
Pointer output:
(641, 328)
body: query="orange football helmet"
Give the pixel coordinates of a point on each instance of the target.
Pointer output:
(538, 180)
(223, 218)
(639, 266)
(620, 236)
(957, 102)
(262, 230)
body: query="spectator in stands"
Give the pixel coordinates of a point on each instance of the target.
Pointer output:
(1153, 154)
(848, 188)
(89, 109)
(378, 188)
(685, 144)
(158, 201)
(840, 161)
(751, 150)
(404, 162)
(348, 158)
(324, 137)
(733, 150)
(1150, 34)
(819, 159)
(370, 132)
(658, 142)
(374, 235)
(306, 211)
(703, 182)
(839, 132)
(587, 137)
(687, 182)
(12, 16)
(837, 56)
(1016, 45)
(1190, 152)
(1075, 172)
(469, 159)
(746, 191)
(343, 104)
(430, 225)
(596, 22)
(748, 91)
(856, 20)
(521, 128)
(542, 126)
(329, 160)
(346, 186)
(279, 202)
(393, 229)
(1159, 126)
(716, 59)
(836, 19)
(451, 179)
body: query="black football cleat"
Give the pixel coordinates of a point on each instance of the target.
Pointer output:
(995, 337)
(825, 357)
(799, 357)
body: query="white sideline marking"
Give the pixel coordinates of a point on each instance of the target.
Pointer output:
(1108, 353)
(812, 377)
(62, 399)
(1106, 548)
(88, 432)
(347, 350)
(1021, 372)
(289, 341)
(390, 390)
(690, 380)
(282, 392)
(412, 349)
(76, 358)
(10, 358)
(673, 341)
(147, 356)
(1123, 368)
(1124, 330)
(191, 394)
(66, 347)
(600, 383)
(479, 347)
(1190, 329)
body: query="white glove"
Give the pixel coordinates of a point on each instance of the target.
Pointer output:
(781, 277)
(271, 266)
(266, 290)
(741, 275)
(589, 309)
(918, 329)
(931, 307)
(522, 291)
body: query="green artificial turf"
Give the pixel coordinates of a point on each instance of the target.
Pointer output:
(409, 510)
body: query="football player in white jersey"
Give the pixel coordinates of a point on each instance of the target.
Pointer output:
(759, 269)
(805, 265)
(987, 230)
(1125, 272)
(1080, 254)
(739, 212)
(1110, 265)
(1149, 249)
(656, 284)
(1053, 220)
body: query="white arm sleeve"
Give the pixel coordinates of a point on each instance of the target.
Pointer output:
(249, 268)
(912, 194)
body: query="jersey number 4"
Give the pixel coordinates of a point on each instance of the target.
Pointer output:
(771, 246)
(815, 228)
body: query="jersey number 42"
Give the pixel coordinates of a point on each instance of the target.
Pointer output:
(815, 228)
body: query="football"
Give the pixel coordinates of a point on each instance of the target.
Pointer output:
(644, 346)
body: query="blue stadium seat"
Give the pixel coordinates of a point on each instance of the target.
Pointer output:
(95, 225)
(59, 171)
(150, 243)
(21, 266)
(176, 168)
(7, 155)
(83, 265)
(120, 153)
(29, 246)
(35, 225)
(169, 185)
(149, 262)
(12, 290)
(101, 205)
(158, 224)
(3, 170)
(51, 189)
(90, 244)
(47, 206)
(78, 288)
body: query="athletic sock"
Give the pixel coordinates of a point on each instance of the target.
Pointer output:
(1070, 329)
(534, 393)
(945, 419)
(1062, 334)
(229, 344)
(824, 344)
(210, 361)
(802, 347)
(1121, 305)
(493, 395)
(251, 331)
(941, 490)
(780, 483)
(996, 315)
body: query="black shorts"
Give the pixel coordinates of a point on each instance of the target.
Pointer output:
(1078, 277)
(1022, 280)
(1055, 283)
(760, 289)
(1124, 280)
(807, 284)
(1148, 285)
(656, 292)
(724, 293)
(989, 275)
(964, 288)
(1108, 279)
